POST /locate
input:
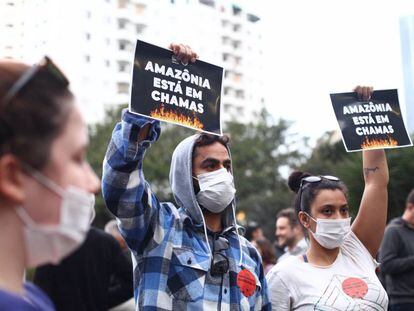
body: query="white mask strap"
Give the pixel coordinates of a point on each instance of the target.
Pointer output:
(45, 181)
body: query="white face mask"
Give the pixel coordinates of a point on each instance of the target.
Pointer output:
(330, 233)
(51, 243)
(216, 190)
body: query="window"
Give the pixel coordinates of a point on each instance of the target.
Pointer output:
(87, 58)
(240, 94)
(107, 63)
(236, 44)
(139, 8)
(122, 23)
(122, 4)
(237, 27)
(140, 28)
(252, 18)
(122, 45)
(236, 10)
(123, 88)
(210, 3)
(88, 36)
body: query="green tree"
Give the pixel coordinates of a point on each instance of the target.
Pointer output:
(259, 150)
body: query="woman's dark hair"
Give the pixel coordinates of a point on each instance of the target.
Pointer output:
(266, 251)
(306, 195)
(34, 117)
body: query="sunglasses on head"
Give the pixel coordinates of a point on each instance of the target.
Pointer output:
(313, 179)
(46, 64)
(220, 263)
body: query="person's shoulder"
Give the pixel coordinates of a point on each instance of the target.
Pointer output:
(98, 236)
(394, 225)
(286, 266)
(10, 301)
(284, 270)
(97, 233)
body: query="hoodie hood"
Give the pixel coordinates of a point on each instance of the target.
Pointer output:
(181, 181)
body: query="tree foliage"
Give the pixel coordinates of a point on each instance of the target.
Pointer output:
(261, 150)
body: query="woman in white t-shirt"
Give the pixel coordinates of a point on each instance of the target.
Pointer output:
(338, 270)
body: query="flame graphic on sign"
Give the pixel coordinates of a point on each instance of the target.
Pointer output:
(163, 114)
(378, 143)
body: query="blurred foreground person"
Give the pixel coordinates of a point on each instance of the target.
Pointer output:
(46, 185)
(397, 259)
(338, 270)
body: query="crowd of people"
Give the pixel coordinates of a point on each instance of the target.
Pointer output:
(187, 255)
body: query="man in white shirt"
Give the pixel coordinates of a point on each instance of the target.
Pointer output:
(289, 234)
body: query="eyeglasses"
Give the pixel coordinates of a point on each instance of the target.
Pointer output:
(45, 64)
(220, 263)
(313, 179)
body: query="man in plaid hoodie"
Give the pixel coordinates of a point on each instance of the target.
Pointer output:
(187, 256)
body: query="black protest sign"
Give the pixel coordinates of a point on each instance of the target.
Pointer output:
(165, 89)
(373, 124)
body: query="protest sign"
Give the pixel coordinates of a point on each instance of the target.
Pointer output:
(164, 88)
(373, 124)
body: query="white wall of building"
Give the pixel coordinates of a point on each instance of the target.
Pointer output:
(93, 42)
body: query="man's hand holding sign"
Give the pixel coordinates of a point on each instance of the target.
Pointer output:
(172, 86)
(185, 55)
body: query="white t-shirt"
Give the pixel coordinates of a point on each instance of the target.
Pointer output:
(350, 283)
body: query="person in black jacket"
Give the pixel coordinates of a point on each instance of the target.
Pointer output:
(82, 280)
(397, 259)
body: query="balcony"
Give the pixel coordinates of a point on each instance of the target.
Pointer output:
(125, 55)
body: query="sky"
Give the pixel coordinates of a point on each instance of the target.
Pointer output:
(314, 48)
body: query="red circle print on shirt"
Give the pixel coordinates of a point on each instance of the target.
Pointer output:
(246, 282)
(354, 287)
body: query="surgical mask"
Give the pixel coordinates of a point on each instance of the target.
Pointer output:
(51, 243)
(330, 233)
(216, 190)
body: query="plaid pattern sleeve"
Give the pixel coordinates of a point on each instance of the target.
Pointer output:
(126, 193)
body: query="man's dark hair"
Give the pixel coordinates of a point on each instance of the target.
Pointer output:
(410, 197)
(208, 139)
(290, 214)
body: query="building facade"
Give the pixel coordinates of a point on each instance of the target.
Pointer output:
(407, 50)
(93, 41)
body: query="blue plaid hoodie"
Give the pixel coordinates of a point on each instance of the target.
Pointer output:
(170, 245)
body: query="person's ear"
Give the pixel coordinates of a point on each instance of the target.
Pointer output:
(11, 180)
(304, 219)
